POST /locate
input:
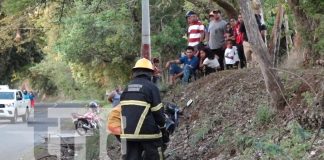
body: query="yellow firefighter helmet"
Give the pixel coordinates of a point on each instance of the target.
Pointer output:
(143, 63)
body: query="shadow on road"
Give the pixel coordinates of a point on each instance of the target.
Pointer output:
(5, 122)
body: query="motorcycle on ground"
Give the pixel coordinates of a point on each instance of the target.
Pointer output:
(85, 123)
(172, 113)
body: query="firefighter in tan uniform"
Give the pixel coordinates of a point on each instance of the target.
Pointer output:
(143, 117)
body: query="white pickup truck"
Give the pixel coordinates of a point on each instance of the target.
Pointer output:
(13, 105)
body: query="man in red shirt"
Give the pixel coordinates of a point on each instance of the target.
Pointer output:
(196, 30)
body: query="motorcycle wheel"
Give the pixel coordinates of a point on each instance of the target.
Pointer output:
(79, 128)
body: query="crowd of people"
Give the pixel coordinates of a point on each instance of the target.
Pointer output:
(219, 46)
(29, 95)
(138, 118)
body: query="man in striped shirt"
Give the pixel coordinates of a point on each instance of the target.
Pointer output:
(196, 30)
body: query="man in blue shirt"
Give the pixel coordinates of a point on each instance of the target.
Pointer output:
(190, 62)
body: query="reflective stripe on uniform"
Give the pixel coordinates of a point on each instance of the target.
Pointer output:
(134, 102)
(141, 136)
(160, 153)
(123, 123)
(143, 115)
(156, 108)
(141, 120)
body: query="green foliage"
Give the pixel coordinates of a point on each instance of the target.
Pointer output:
(46, 85)
(295, 86)
(315, 36)
(15, 57)
(313, 8)
(14, 7)
(97, 41)
(202, 129)
(55, 76)
(90, 46)
(273, 151)
(170, 41)
(299, 141)
(92, 50)
(294, 144)
(312, 34)
(48, 75)
(106, 36)
(319, 34)
(170, 27)
(244, 141)
(308, 98)
(199, 133)
(264, 115)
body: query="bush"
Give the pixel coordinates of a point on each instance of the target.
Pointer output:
(200, 135)
(244, 141)
(294, 144)
(308, 98)
(264, 115)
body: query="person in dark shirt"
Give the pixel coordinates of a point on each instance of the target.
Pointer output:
(143, 129)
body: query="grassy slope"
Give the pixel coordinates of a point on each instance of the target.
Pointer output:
(231, 118)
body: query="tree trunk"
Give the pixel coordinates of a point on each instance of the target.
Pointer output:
(305, 27)
(288, 37)
(276, 36)
(272, 80)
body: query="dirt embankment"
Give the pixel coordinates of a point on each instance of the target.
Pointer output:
(231, 118)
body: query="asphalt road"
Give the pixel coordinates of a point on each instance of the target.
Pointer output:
(20, 138)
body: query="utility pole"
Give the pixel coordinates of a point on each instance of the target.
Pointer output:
(146, 35)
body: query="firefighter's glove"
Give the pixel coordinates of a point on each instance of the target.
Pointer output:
(165, 135)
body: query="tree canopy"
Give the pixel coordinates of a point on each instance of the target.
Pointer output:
(92, 44)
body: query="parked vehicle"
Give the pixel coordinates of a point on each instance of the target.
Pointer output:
(2, 87)
(13, 105)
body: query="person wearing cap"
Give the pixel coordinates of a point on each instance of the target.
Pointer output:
(196, 30)
(215, 36)
(143, 121)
